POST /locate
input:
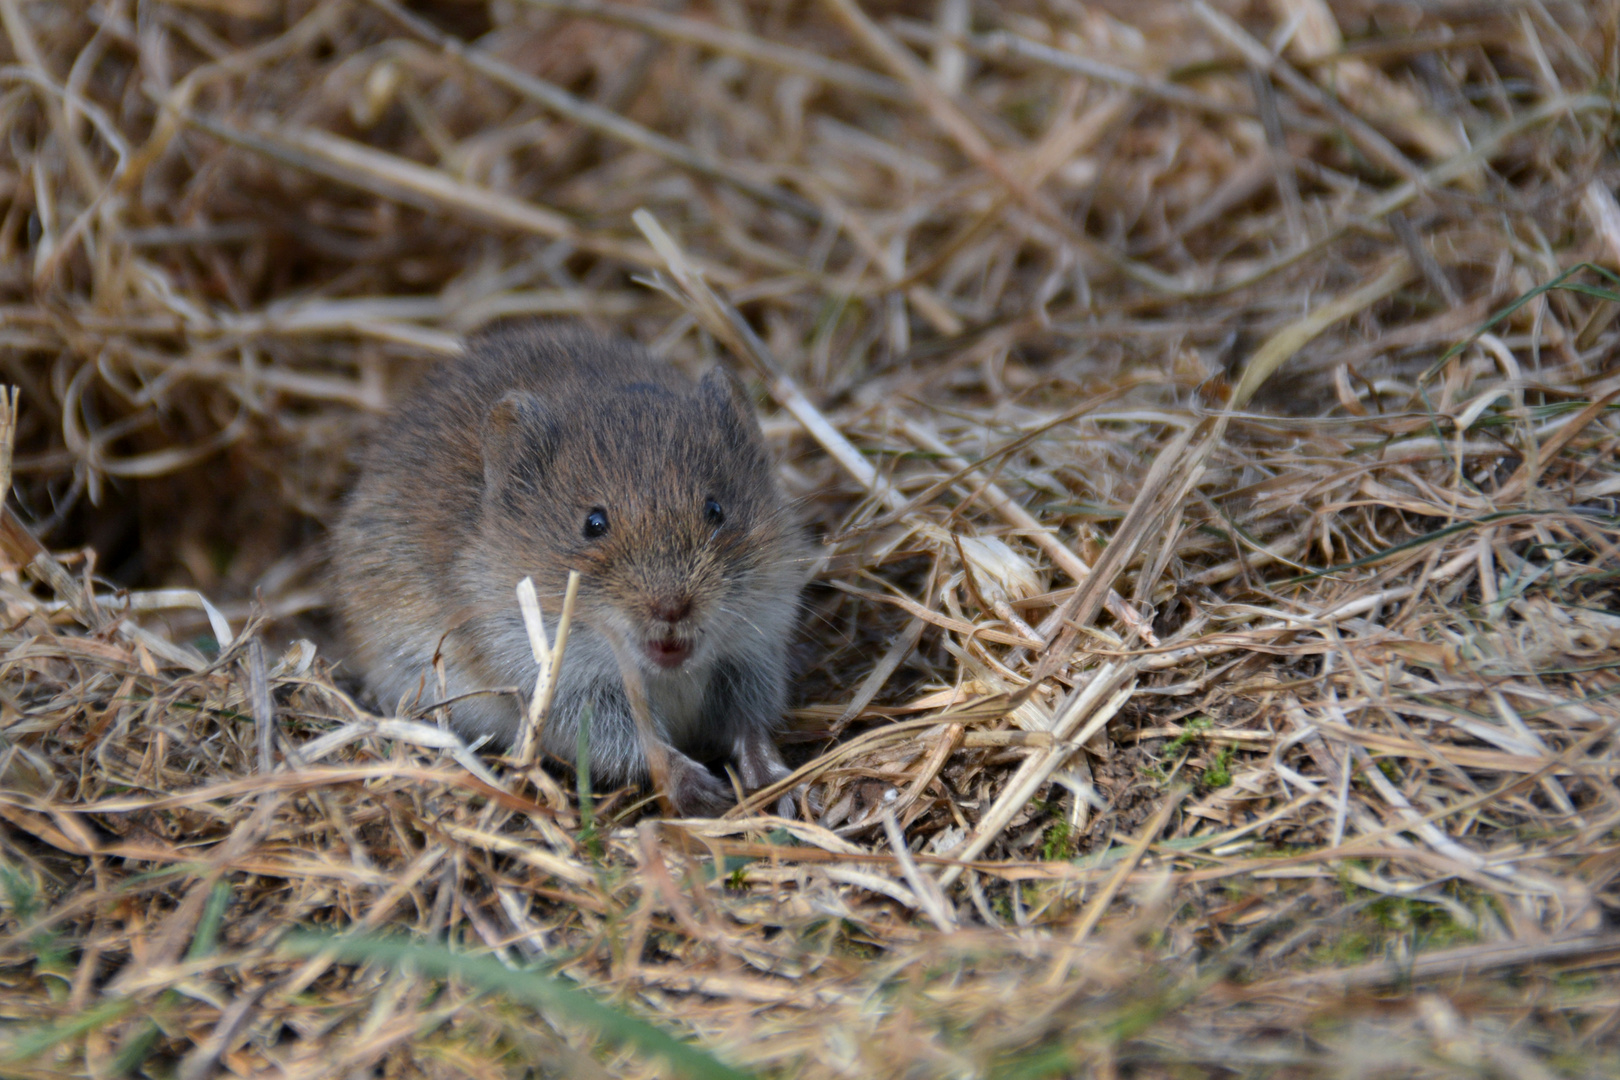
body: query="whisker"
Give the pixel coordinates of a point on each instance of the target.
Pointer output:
(725, 609)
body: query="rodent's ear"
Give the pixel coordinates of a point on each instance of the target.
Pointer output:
(518, 436)
(724, 394)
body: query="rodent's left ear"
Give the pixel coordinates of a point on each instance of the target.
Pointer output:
(725, 395)
(518, 436)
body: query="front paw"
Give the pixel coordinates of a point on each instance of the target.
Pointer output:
(694, 791)
(759, 762)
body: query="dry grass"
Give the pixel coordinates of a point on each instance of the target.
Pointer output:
(1213, 667)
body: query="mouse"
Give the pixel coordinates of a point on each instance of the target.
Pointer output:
(545, 448)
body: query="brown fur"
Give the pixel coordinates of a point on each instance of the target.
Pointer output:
(488, 473)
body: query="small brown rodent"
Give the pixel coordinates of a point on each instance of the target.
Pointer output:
(545, 449)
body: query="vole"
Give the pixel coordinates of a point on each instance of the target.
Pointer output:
(545, 449)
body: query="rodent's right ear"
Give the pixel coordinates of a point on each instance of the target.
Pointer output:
(519, 435)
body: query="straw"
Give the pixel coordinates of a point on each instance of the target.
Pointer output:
(1202, 419)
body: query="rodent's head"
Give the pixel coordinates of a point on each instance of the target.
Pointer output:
(662, 497)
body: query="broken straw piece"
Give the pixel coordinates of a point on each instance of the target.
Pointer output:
(533, 623)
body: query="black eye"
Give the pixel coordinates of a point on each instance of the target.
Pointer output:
(596, 523)
(712, 511)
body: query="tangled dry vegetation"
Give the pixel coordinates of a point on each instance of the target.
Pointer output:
(1212, 667)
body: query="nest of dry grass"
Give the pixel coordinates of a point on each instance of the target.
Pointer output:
(1212, 669)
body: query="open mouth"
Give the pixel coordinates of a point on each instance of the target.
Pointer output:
(668, 653)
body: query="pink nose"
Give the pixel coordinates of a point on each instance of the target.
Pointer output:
(672, 611)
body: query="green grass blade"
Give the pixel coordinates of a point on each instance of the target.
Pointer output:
(207, 935)
(531, 988)
(1560, 282)
(48, 1038)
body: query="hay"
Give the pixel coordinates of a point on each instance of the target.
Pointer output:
(1212, 666)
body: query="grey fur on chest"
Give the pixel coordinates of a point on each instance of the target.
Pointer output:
(676, 701)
